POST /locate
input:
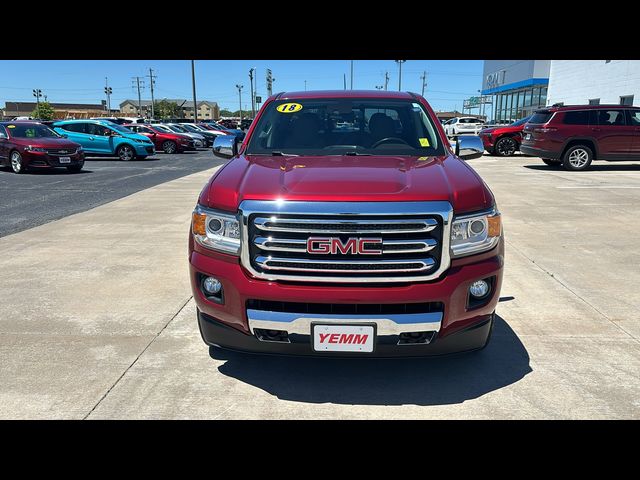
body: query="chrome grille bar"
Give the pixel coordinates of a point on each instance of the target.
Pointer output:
(314, 225)
(344, 266)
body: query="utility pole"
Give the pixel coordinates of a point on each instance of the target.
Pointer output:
(108, 91)
(305, 85)
(345, 81)
(351, 75)
(193, 85)
(386, 80)
(400, 62)
(37, 93)
(239, 87)
(253, 103)
(424, 81)
(137, 82)
(152, 81)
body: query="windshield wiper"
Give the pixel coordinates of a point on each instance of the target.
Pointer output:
(278, 153)
(356, 154)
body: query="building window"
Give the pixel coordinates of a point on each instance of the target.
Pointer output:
(626, 100)
(594, 101)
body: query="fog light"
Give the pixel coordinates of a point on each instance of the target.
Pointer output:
(479, 289)
(211, 285)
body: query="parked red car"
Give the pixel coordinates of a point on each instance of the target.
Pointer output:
(26, 145)
(575, 135)
(163, 138)
(503, 140)
(375, 240)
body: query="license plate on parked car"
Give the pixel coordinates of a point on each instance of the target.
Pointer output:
(65, 159)
(343, 338)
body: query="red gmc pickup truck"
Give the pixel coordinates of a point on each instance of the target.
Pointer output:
(344, 224)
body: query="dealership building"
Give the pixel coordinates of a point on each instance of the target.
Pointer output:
(517, 87)
(580, 82)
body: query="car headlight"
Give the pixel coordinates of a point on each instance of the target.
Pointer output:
(79, 149)
(475, 233)
(31, 148)
(216, 230)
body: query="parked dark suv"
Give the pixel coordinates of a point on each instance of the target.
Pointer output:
(575, 135)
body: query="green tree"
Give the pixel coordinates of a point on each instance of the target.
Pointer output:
(43, 112)
(226, 113)
(166, 109)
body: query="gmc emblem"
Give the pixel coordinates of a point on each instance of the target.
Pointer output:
(333, 245)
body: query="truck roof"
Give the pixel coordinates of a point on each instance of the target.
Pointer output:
(343, 94)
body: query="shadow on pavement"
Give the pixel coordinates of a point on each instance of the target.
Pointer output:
(418, 381)
(116, 159)
(45, 171)
(607, 167)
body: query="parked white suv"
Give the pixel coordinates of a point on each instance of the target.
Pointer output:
(463, 125)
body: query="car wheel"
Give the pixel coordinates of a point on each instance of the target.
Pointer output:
(16, 162)
(552, 163)
(169, 147)
(505, 147)
(125, 153)
(577, 158)
(75, 168)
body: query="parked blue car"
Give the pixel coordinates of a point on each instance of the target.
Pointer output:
(101, 137)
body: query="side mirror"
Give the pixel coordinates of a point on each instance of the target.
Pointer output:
(225, 146)
(469, 147)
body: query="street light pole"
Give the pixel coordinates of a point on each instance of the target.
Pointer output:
(400, 62)
(193, 85)
(424, 81)
(239, 87)
(152, 81)
(386, 80)
(351, 75)
(253, 105)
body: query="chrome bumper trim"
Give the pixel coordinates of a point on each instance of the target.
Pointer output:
(300, 323)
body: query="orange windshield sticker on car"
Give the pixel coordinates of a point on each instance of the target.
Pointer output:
(289, 108)
(424, 142)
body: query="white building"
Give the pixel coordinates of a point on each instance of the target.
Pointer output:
(580, 82)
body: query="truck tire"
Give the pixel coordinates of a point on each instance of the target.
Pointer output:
(577, 158)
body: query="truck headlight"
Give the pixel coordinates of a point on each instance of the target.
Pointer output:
(216, 230)
(475, 233)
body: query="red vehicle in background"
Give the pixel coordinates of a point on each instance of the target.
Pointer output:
(163, 138)
(505, 140)
(26, 145)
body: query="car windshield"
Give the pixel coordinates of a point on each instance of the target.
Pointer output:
(177, 128)
(162, 128)
(31, 131)
(469, 120)
(522, 121)
(190, 128)
(345, 126)
(119, 128)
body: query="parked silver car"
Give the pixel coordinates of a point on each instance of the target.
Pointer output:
(198, 139)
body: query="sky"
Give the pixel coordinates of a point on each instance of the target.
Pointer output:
(83, 81)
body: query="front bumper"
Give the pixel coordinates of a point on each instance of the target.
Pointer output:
(487, 141)
(45, 160)
(144, 150)
(231, 324)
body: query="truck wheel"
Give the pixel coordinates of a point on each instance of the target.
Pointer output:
(577, 158)
(125, 153)
(16, 162)
(552, 163)
(505, 147)
(169, 147)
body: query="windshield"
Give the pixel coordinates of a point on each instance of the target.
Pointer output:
(31, 131)
(522, 121)
(345, 126)
(469, 120)
(119, 128)
(162, 128)
(190, 128)
(177, 128)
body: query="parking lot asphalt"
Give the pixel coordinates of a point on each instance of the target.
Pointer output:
(41, 196)
(109, 330)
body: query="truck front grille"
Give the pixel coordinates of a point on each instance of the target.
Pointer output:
(401, 241)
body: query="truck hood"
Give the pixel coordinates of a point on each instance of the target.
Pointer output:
(347, 179)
